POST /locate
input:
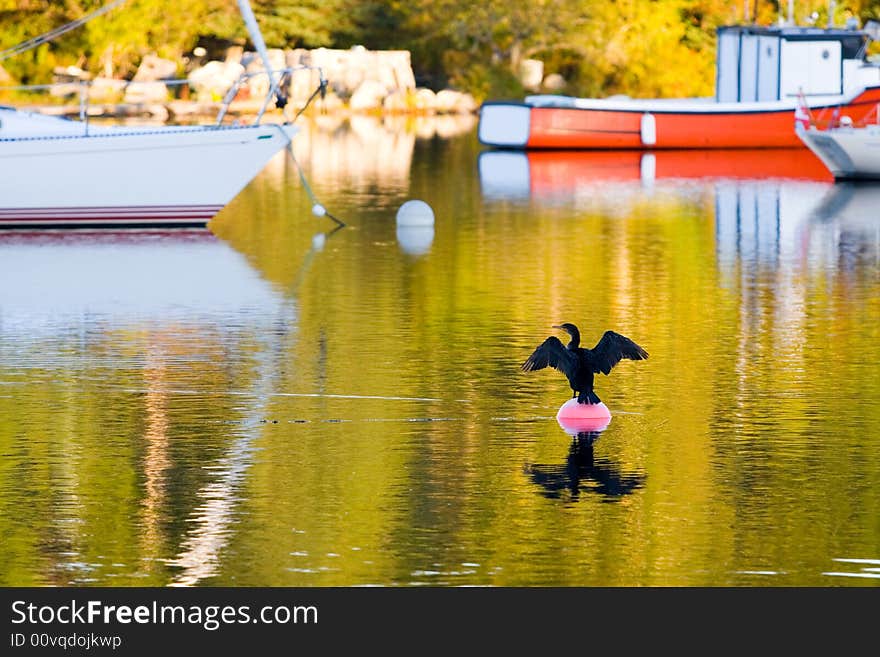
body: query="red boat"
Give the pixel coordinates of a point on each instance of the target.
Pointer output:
(761, 72)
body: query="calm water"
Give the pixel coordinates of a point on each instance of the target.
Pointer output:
(270, 403)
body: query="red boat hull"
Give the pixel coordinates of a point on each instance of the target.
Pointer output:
(614, 128)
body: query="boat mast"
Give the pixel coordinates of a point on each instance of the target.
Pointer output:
(256, 36)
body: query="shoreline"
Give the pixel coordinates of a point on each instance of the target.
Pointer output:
(200, 110)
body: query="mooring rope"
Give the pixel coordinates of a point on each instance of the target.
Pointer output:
(321, 89)
(318, 208)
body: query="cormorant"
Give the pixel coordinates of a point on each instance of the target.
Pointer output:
(579, 363)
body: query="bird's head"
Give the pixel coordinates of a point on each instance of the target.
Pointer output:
(571, 329)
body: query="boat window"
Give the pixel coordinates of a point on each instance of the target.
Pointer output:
(852, 46)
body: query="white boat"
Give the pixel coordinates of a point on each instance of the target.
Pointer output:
(61, 173)
(849, 152)
(56, 173)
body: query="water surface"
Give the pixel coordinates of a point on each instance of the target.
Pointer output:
(272, 402)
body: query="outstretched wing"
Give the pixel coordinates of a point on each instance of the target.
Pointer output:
(553, 353)
(611, 349)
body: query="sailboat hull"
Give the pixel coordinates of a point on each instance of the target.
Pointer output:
(139, 177)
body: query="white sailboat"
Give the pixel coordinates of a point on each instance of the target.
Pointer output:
(60, 173)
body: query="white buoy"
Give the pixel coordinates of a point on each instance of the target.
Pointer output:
(319, 210)
(415, 213)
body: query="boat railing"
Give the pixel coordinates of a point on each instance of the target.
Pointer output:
(832, 118)
(279, 90)
(280, 78)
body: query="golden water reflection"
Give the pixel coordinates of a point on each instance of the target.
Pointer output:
(279, 403)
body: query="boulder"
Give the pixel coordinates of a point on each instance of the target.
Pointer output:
(351, 78)
(155, 68)
(303, 83)
(397, 102)
(348, 70)
(454, 102)
(531, 73)
(330, 103)
(425, 100)
(62, 89)
(146, 92)
(69, 74)
(390, 68)
(234, 54)
(258, 85)
(66, 79)
(107, 90)
(214, 79)
(369, 95)
(554, 83)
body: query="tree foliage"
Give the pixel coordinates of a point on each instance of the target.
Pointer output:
(635, 47)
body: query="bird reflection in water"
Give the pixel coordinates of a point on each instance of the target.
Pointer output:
(582, 472)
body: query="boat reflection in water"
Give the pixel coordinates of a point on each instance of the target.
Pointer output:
(565, 176)
(187, 306)
(771, 205)
(363, 152)
(128, 278)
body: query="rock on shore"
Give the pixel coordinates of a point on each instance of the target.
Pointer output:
(361, 80)
(358, 81)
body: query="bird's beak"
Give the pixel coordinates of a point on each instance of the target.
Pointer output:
(559, 327)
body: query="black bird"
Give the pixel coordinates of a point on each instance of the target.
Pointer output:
(578, 363)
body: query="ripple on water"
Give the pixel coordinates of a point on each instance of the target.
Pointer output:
(861, 568)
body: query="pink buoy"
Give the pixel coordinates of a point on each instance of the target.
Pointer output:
(575, 418)
(571, 409)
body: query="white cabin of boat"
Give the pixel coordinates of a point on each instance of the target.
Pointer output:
(755, 64)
